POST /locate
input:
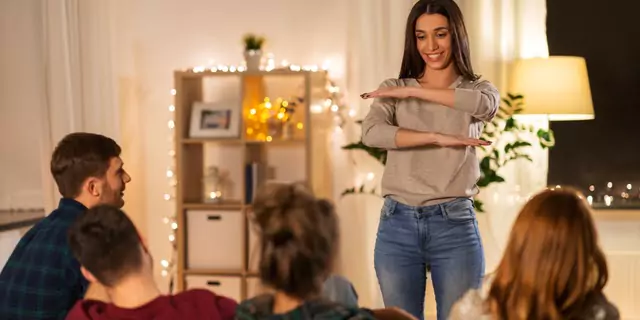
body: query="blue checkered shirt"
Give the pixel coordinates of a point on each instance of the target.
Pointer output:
(42, 279)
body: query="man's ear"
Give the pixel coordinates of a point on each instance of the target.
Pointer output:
(88, 275)
(93, 186)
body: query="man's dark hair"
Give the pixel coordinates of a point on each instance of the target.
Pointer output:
(79, 156)
(106, 243)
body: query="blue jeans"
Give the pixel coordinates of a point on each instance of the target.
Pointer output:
(443, 236)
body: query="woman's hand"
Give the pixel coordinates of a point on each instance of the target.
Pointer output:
(445, 140)
(390, 92)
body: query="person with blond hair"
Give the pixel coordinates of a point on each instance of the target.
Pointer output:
(553, 267)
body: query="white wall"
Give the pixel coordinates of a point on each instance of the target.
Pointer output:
(155, 37)
(21, 96)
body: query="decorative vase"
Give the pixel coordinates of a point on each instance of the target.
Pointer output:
(213, 185)
(252, 59)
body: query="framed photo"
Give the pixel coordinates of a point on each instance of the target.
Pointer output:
(219, 119)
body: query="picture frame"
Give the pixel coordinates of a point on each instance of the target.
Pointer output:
(219, 119)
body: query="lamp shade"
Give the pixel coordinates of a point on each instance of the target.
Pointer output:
(557, 86)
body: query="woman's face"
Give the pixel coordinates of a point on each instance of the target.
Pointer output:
(433, 40)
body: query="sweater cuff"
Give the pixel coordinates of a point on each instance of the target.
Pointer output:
(385, 136)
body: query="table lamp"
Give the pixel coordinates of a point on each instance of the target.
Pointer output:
(557, 86)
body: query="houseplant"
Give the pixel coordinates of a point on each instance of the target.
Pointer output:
(253, 51)
(510, 142)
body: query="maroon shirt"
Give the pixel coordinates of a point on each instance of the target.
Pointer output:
(191, 304)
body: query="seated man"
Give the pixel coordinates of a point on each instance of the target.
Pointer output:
(42, 279)
(111, 253)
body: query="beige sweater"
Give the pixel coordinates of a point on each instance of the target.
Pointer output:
(430, 174)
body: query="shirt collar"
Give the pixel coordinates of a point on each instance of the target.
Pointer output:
(71, 204)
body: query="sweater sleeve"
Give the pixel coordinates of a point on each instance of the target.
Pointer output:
(481, 102)
(378, 127)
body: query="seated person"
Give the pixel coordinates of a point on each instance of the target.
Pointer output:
(298, 238)
(111, 253)
(552, 268)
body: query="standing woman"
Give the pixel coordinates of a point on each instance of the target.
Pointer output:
(430, 121)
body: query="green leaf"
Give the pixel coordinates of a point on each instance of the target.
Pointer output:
(478, 205)
(485, 164)
(510, 124)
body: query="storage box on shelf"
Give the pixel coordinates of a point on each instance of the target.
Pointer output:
(217, 249)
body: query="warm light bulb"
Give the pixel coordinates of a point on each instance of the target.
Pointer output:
(172, 108)
(164, 263)
(171, 124)
(167, 196)
(172, 238)
(299, 125)
(173, 92)
(174, 225)
(334, 108)
(252, 111)
(165, 220)
(609, 185)
(629, 186)
(169, 173)
(164, 273)
(269, 138)
(352, 113)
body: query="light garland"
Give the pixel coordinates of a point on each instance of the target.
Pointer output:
(168, 266)
(334, 103)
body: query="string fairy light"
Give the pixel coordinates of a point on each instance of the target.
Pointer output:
(168, 265)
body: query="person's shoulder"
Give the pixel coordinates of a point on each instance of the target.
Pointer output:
(470, 306)
(85, 308)
(603, 309)
(478, 84)
(207, 300)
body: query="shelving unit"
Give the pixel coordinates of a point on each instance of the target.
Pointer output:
(217, 249)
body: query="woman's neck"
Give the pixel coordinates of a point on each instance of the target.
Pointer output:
(439, 78)
(283, 303)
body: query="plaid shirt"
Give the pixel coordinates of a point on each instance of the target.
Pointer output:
(42, 279)
(261, 307)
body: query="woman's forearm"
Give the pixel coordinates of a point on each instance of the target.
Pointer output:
(444, 97)
(406, 138)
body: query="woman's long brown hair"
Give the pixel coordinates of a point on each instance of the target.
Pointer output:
(552, 267)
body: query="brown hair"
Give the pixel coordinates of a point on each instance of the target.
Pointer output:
(79, 156)
(553, 267)
(106, 243)
(299, 236)
(413, 65)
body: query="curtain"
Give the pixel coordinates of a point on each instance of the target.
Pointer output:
(376, 42)
(501, 31)
(78, 81)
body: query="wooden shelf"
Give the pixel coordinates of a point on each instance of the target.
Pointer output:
(279, 159)
(190, 141)
(212, 140)
(276, 72)
(228, 205)
(277, 142)
(213, 272)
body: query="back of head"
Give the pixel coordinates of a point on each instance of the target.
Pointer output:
(107, 244)
(79, 156)
(552, 267)
(299, 236)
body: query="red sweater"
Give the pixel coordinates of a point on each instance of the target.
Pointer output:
(191, 304)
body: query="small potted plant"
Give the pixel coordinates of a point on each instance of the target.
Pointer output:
(253, 51)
